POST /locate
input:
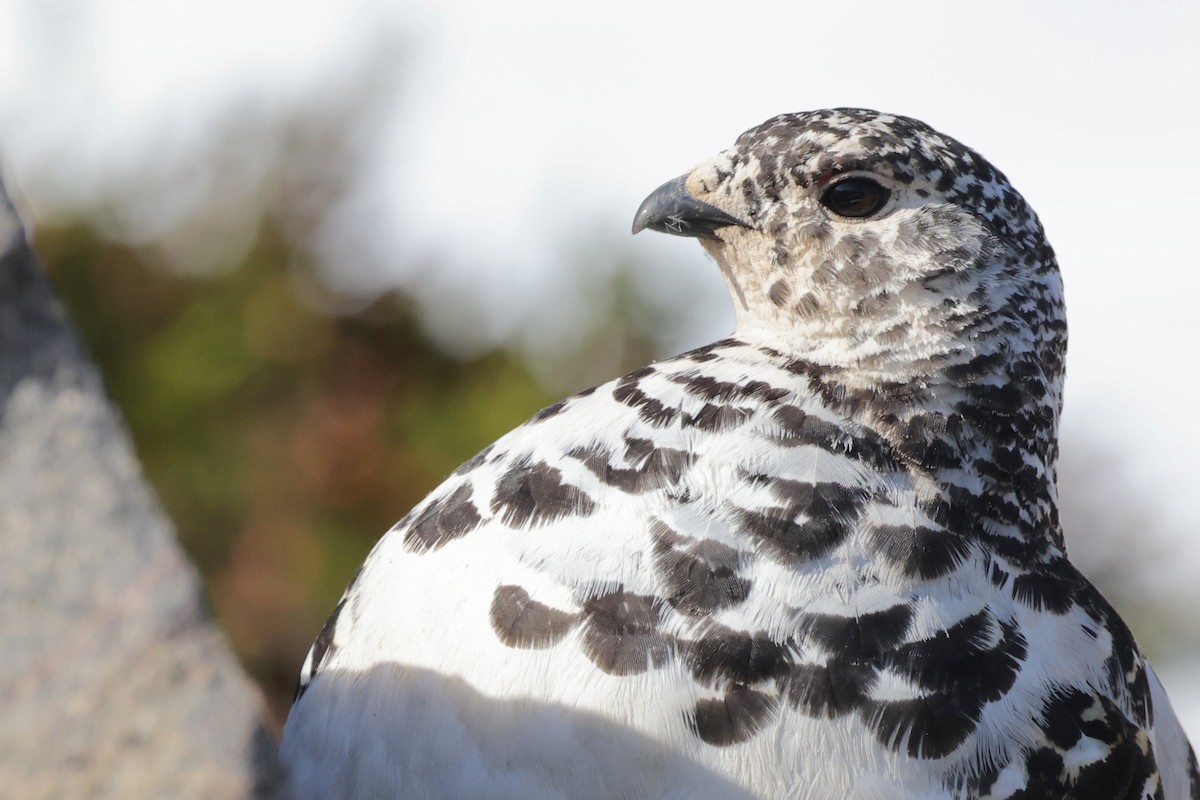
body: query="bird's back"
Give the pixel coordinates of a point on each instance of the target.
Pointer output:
(695, 581)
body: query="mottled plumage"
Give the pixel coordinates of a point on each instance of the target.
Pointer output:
(818, 559)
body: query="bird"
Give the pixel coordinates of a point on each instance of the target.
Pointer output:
(819, 558)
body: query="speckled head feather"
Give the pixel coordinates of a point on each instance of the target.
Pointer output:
(952, 267)
(818, 559)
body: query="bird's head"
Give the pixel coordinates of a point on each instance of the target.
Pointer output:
(872, 244)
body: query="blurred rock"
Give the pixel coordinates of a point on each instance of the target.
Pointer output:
(114, 681)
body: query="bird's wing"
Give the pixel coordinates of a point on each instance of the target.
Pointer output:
(635, 555)
(624, 506)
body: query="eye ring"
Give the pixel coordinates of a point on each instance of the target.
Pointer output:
(856, 197)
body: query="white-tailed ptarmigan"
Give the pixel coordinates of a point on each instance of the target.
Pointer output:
(818, 559)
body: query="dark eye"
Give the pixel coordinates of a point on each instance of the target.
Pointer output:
(855, 197)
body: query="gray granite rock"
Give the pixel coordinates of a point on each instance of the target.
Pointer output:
(114, 680)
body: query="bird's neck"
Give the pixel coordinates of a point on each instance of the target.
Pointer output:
(982, 426)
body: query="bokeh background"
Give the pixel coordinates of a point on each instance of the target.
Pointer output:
(325, 251)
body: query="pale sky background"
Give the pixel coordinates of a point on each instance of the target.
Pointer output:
(513, 134)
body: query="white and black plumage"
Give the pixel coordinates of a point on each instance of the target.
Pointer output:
(818, 559)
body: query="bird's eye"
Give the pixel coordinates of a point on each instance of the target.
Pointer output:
(855, 197)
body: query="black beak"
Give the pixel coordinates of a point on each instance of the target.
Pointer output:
(672, 209)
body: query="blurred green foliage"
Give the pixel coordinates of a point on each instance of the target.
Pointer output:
(283, 437)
